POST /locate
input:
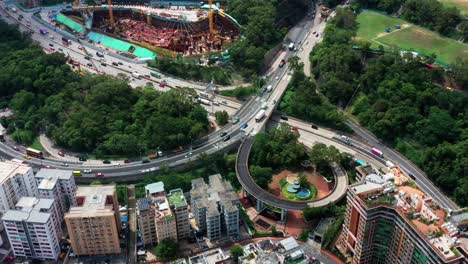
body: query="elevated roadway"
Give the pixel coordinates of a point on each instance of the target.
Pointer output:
(279, 79)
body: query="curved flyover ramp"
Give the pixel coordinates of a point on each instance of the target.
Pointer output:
(249, 185)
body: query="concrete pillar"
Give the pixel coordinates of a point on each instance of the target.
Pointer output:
(259, 206)
(283, 214)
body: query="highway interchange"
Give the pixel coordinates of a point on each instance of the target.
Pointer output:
(279, 79)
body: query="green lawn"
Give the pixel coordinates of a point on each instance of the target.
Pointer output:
(461, 4)
(372, 24)
(372, 27)
(36, 144)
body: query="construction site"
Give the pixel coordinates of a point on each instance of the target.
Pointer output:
(161, 30)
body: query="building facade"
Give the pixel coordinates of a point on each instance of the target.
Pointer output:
(155, 217)
(179, 207)
(33, 229)
(94, 223)
(391, 223)
(59, 185)
(215, 207)
(16, 181)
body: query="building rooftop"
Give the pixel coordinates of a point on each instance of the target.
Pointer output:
(397, 190)
(176, 198)
(217, 192)
(48, 183)
(30, 209)
(156, 187)
(210, 257)
(54, 173)
(92, 201)
(270, 252)
(9, 169)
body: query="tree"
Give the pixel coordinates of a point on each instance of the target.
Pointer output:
(261, 175)
(322, 155)
(166, 249)
(329, 210)
(236, 252)
(304, 235)
(303, 182)
(222, 117)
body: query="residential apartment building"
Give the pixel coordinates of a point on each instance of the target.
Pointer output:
(94, 223)
(16, 181)
(389, 219)
(215, 207)
(146, 215)
(155, 217)
(179, 207)
(33, 228)
(59, 185)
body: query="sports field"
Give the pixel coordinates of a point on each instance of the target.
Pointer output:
(372, 27)
(461, 4)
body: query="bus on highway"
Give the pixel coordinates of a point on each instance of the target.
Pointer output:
(260, 115)
(34, 153)
(377, 152)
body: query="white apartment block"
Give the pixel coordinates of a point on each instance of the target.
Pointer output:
(16, 181)
(33, 229)
(215, 207)
(59, 185)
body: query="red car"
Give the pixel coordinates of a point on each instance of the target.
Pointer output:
(99, 174)
(16, 148)
(61, 154)
(162, 85)
(294, 128)
(314, 32)
(148, 76)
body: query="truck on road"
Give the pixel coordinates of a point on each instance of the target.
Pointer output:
(66, 41)
(204, 101)
(291, 46)
(260, 115)
(269, 88)
(377, 152)
(136, 75)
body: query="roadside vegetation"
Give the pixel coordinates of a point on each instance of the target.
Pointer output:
(93, 114)
(301, 100)
(400, 100)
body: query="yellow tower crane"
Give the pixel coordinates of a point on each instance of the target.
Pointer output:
(210, 16)
(111, 14)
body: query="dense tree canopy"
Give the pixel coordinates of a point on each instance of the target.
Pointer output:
(166, 249)
(302, 101)
(278, 148)
(399, 100)
(100, 114)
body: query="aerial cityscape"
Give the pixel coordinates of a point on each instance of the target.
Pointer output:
(234, 131)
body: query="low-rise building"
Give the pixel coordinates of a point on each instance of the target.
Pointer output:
(33, 228)
(278, 252)
(155, 217)
(94, 223)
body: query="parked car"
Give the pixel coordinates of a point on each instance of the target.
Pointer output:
(106, 162)
(60, 153)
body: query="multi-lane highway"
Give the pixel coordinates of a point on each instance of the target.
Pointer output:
(279, 79)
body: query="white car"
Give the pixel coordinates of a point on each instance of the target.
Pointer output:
(87, 171)
(50, 36)
(277, 77)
